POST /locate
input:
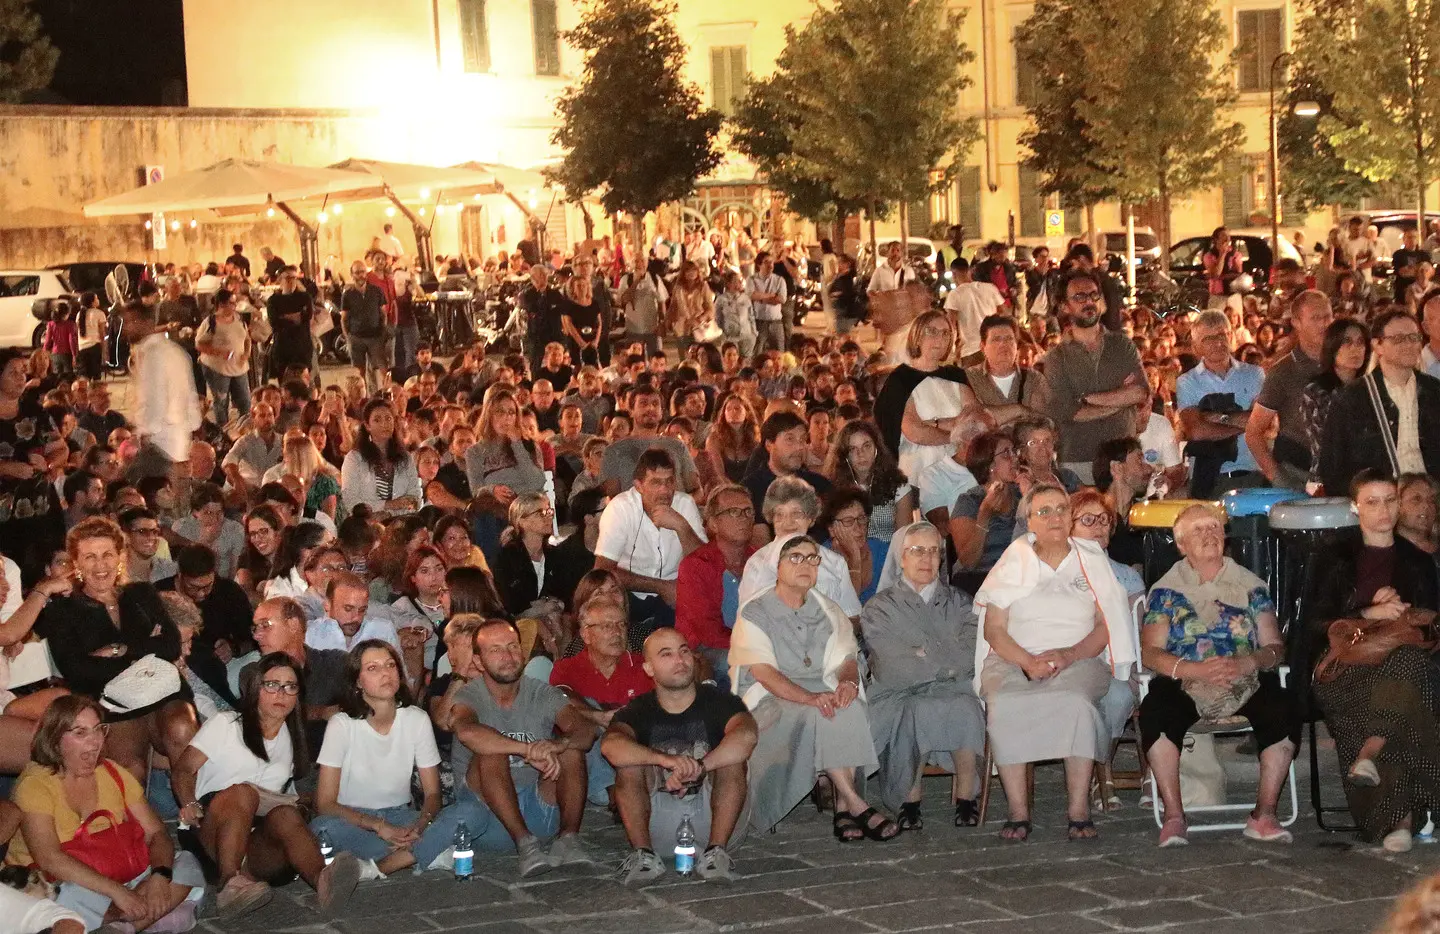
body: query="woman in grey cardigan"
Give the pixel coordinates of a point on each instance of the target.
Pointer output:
(921, 636)
(379, 472)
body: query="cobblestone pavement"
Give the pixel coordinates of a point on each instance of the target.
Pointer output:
(800, 880)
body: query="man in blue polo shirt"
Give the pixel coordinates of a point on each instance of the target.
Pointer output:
(1209, 417)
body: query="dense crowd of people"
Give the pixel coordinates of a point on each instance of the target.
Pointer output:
(336, 629)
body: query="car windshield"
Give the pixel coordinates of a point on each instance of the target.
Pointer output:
(1187, 252)
(15, 286)
(1115, 242)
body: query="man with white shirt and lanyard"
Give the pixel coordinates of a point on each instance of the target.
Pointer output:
(644, 532)
(892, 274)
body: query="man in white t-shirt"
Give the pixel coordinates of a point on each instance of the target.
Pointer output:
(971, 303)
(892, 274)
(1161, 451)
(390, 244)
(1359, 249)
(644, 532)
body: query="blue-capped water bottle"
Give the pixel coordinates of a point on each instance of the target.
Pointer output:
(327, 849)
(685, 848)
(464, 854)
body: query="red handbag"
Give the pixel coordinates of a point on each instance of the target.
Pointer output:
(118, 852)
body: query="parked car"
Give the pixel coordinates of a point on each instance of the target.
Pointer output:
(1147, 248)
(21, 291)
(1188, 270)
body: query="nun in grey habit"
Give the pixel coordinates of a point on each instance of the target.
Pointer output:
(921, 636)
(793, 658)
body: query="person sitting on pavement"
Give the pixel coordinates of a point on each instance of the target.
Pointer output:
(794, 661)
(710, 577)
(207, 525)
(525, 568)
(520, 747)
(1050, 608)
(1212, 638)
(143, 537)
(256, 451)
(921, 637)
(348, 620)
(424, 603)
(791, 508)
(233, 784)
(372, 747)
(279, 626)
(680, 750)
(68, 782)
(226, 633)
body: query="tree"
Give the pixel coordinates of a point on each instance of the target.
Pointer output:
(1315, 176)
(1380, 61)
(633, 128)
(27, 59)
(858, 87)
(1060, 142)
(1155, 100)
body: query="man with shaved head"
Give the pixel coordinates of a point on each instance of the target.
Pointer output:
(679, 750)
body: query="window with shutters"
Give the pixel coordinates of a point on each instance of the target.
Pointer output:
(545, 23)
(1074, 214)
(1027, 86)
(474, 35)
(728, 77)
(1259, 40)
(967, 197)
(1032, 203)
(1242, 191)
(919, 216)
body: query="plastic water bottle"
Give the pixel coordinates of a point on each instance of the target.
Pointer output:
(464, 854)
(1427, 832)
(327, 849)
(685, 848)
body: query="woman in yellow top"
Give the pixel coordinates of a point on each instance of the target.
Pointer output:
(67, 778)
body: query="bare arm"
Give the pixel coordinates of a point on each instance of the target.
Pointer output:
(1212, 426)
(780, 686)
(1124, 397)
(630, 581)
(1257, 439)
(483, 740)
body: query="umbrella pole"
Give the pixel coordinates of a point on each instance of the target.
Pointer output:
(422, 232)
(309, 243)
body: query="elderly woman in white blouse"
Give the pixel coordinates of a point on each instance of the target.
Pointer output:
(791, 507)
(1051, 609)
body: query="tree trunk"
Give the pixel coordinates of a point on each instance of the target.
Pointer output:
(1164, 231)
(589, 221)
(870, 215)
(1090, 224)
(837, 232)
(904, 229)
(637, 242)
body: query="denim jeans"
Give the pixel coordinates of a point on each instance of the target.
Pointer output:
(365, 844)
(223, 389)
(487, 834)
(91, 905)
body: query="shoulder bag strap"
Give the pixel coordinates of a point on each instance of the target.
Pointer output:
(1384, 419)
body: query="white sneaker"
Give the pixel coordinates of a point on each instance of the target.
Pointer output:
(1398, 841)
(533, 860)
(641, 867)
(715, 865)
(568, 849)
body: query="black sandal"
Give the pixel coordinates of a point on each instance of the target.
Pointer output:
(1019, 831)
(967, 813)
(884, 831)
(1082, 830)
(909, 816)
(847, 828)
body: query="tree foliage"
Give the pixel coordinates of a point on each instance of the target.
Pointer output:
(850, 115)
(27, 59)
(1380, 62)
(633, 128)
(1155, 100)
(1314, 176)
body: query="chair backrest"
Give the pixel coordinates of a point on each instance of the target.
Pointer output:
(1137, 619)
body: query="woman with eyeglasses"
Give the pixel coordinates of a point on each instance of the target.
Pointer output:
(917, 408)
(920, 633)
(1093, 518)
(234, 783)
(372, 747)
(522, 571)
(793, 660)
(1035, 440)
(791, 507)
(297, 544)
(846, 517)
(1050, 610)
(982, 521)
(263, 529)
(132, 874)
(859, 458)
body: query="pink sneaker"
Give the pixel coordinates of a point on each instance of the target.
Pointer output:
(1174, 832)
(1267, 830)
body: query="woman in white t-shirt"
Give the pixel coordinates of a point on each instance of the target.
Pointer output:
(223, 341)
(233, 781)
(372, 747)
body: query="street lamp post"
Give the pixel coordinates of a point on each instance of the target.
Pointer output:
(1302, 109)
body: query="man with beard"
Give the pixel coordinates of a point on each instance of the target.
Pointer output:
(647, 411)
(1093, 377)
(785, 437)
(679, 750)
(289, 311)
(541, 306)
(520, 746)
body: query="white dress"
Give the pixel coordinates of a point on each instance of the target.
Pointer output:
(933, 398)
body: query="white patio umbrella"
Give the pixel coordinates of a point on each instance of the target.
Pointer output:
(232, 186)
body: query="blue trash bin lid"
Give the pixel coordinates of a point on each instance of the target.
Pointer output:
(1257, 502)
(1326, 512)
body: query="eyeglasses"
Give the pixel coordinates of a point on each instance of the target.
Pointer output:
(259, 532)
(1046, 512)
(1004, 452)
(615, 626)
(935, 331)
(1092, 519)
(851, 522)
(1413, 338)
(1040, 441)
(264, 625)
(1085, 298)
(280, 687)
(332, 568)
(82, 734)
(923, 551)
(738, 512)
(796, 558)
(546, 511)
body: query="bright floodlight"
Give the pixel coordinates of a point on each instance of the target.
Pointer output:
(1306, 109)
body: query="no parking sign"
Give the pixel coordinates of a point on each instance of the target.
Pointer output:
(1054, 223)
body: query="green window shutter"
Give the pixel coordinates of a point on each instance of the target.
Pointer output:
(967, 189)
(1259, 38)
(728, 77)
(1032, 203)
(474, 35)
(1272, 44)
(1235, 211)
(545, 22)
(919, 217)
(739, 75)
(1027, 81)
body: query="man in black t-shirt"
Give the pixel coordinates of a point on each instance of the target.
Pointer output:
(1405, 264)
(679, 750)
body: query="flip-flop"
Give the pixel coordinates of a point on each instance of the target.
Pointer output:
(1018, 830)
(1081, 830)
